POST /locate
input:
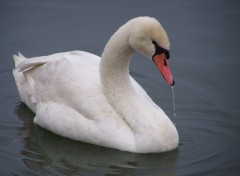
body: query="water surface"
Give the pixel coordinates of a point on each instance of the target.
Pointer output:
(204, 59)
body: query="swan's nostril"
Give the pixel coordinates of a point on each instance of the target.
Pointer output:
(165, 62)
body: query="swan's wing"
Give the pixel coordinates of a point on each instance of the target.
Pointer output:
(23, 64)
(70, 78)
(72, 124)
(28, 64)
(25, 81)
(69, 122)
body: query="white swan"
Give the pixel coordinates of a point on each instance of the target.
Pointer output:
(81, 96)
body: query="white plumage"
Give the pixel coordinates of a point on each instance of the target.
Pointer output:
(81, 96)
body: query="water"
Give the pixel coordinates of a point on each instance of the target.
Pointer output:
(204, 60)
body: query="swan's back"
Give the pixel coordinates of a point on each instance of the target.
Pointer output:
(40, 78)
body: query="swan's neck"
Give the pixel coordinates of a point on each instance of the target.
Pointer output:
(116, 81)
(114, 67)
(114, 73)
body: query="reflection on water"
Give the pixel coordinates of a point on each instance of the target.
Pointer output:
(47, 153)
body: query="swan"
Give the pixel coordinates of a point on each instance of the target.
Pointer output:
(81, 96)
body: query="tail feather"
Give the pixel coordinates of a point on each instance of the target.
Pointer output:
(18, 58)
(20, 55)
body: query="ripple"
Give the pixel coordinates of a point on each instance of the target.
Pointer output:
(206, 141)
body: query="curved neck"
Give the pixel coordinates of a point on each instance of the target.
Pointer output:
(114, 67)
(116, 81)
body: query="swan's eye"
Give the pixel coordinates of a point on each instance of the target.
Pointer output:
(160, 50)
(154, 42)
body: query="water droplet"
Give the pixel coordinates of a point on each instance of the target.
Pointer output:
(173, 101)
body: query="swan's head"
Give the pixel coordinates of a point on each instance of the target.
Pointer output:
(148, 37)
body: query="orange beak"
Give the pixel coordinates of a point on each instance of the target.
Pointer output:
(163, 65)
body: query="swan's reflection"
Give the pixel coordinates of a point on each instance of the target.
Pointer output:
(47, 153)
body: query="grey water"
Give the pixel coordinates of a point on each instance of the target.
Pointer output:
(205, 60)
